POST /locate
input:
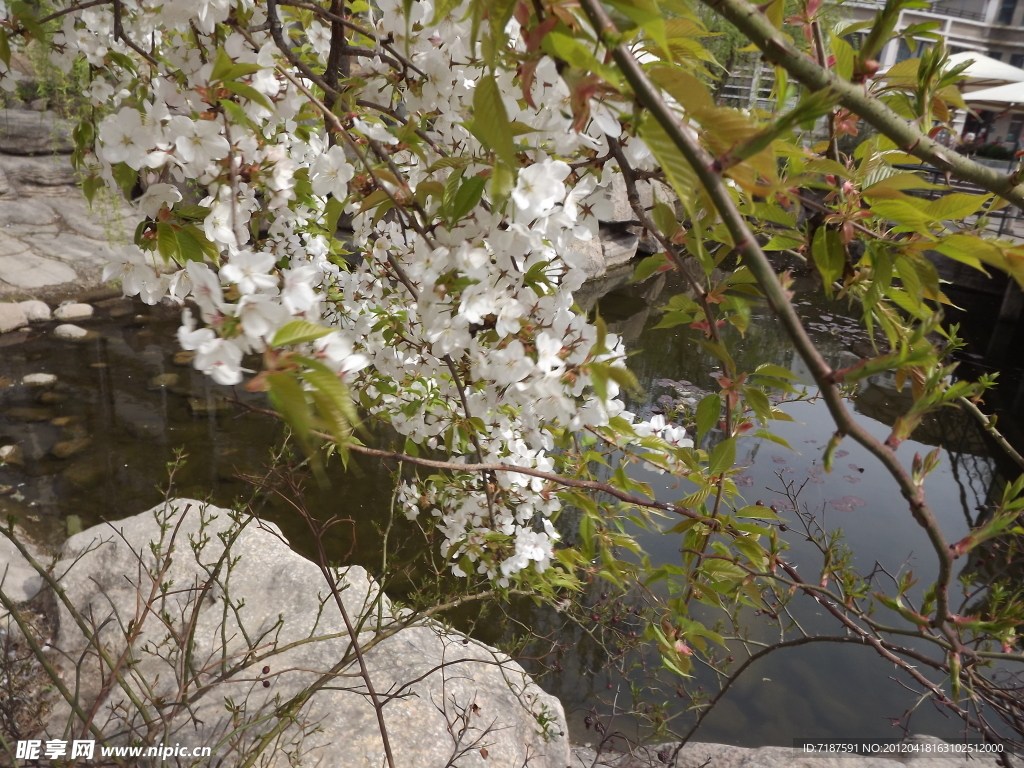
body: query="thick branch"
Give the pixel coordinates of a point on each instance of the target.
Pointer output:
(756, 260)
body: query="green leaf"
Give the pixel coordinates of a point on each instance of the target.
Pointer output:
(166, 241)
(708, 411)
(298, 332)
(209, 249)
(5, 49)
(237, 113)
(442, 9)
(723, 457)
(776, 371)
(659, 262)
(250, 93)
(222, 64)
(829, 256)
(126, 178)
(192, 212)
(491, 120)
(955, 206)
(466, 199)
(677, 170)
(755, 510)
(332, 212)
(190, 248)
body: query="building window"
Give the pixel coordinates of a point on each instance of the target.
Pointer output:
(955, 49)
(903, 52)
(1017, 60)
(1006, 11)
(997, 55)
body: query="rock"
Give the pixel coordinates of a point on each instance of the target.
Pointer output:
(619, 248)
(26, 270)
(5, 185)
(11, 454)
(35, 311)
(588, 256)
(42, 171)
(6, 382)
(105, 223)
(163, 381)
(73, 312)
(6, 490)
(37, 105)
(63, 421)
(19, 580)
(207, 406)
(51, 398)
(65, 449)
(184, 357)
(29, 414)
(14, 337)
(12, 317)
(39, 380)
(70, 332)
(84, 474)
(277, 597)
(35, 133)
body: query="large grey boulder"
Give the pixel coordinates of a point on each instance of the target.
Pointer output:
(265, 629)
(34, 133)
(19, 581)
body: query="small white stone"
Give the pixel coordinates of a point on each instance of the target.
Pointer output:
(39, 380)
(68, 331)
(73, 311)
(35, 311)
(10, 454)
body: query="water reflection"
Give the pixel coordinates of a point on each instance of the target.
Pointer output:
(125, 395)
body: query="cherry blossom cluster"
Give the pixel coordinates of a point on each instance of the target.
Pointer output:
(462, 334)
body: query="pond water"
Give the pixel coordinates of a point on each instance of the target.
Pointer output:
(126, 401)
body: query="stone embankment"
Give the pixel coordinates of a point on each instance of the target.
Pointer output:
(52, 243)
(264, 627)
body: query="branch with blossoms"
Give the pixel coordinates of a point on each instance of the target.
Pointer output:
(383, 215)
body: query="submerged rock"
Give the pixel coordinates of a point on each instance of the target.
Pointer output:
(201, 406)
(183, 358)
(84, 474)
(65, 449)
(11, 454)
(73, 312)
(39, 380)
(51, 398)
(163, 381)
(449, 677)
(70, 332)
(29, 414)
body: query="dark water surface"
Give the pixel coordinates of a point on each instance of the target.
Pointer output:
(123, 406)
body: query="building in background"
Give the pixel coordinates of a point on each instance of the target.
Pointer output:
(994, 28)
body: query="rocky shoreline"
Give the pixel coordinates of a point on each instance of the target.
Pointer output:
(456, 697)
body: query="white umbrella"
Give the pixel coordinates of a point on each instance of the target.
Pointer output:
(985, 71)
(1002, 97)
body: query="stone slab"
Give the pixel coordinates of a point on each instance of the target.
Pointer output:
(27, 212)
(34, 133)
(75, 249)
(39, 170)
(27, 270)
